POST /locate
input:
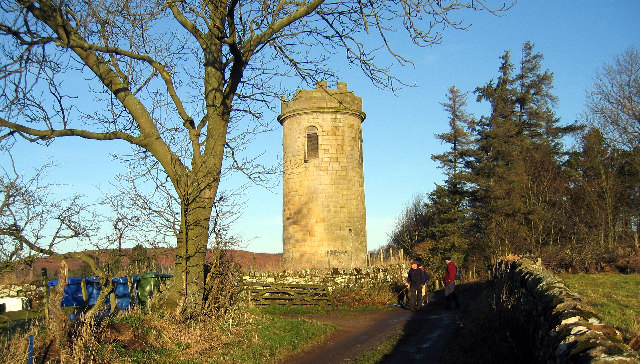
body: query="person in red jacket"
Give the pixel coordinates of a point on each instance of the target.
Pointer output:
(450, 283)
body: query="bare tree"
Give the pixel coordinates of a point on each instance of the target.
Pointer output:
(411, 226)
(175, 79)
(613, 103)
(32, 224)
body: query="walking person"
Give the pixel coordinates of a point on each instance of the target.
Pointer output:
(415, 281)
(425, 287)
(450, 283)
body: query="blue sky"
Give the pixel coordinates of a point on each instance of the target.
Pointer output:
(575, 37)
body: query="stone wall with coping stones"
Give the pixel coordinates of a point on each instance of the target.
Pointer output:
(563, 328)
(334, 278)
(34, 293)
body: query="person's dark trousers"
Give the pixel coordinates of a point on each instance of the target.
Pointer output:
(450, 294)
(454, 297)
(416, 296)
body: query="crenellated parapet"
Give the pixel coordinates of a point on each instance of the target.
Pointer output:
(323, 99)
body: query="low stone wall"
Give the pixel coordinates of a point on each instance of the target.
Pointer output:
(554, 319)
(333, 278)
(34, 293)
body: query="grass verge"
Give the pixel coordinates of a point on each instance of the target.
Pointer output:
(385, 348)
(244, 334)
(613, 296)
(247, 335)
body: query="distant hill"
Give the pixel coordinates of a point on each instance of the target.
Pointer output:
(153, 259)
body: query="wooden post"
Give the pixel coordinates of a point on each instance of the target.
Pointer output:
(381, 258)
(83, 289)
(45, 283)
(390, 255)
(112, 298)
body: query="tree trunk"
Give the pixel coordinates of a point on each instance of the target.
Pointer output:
(187, 289)
(190, 257)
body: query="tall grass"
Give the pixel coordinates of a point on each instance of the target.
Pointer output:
(238, 334)
(615, 298)
(246, 335)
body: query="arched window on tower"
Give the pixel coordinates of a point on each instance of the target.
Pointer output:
(311, 151)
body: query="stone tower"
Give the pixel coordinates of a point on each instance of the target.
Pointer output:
(323, 181)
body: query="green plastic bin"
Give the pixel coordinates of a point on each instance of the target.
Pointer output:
(149, 283)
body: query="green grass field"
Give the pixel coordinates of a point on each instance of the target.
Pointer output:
(614, 297)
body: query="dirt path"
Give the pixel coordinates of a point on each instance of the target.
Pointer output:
(356, 334)
(426, 333)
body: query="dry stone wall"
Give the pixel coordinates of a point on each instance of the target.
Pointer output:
(554, 319)
(34, 293)
(333, 278)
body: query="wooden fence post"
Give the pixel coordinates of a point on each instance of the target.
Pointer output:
(45, 283)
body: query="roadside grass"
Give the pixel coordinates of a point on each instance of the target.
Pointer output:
(261, 334)
(244, 334)
(615, 297)
(249, 335)
(274, 337)
(291, 310)
(13, 320)
(385, 348)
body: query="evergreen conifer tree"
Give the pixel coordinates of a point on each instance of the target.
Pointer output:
(449, 207)
(518, 175)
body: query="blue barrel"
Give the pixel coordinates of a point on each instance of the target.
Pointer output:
(93, 289)
(135, 280)
(121, 290)
(73, 293)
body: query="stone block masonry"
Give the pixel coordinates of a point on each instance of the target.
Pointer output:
(354, 278)
(324, 221)
(32, 292)
(553, 319)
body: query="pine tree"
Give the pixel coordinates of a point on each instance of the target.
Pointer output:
(542, 152)
(494, 168)
(460, 137)
(518, 177)
(448, 203)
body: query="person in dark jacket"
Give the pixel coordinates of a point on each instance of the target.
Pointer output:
(425, 288)
(450, 283)
(416, 278)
